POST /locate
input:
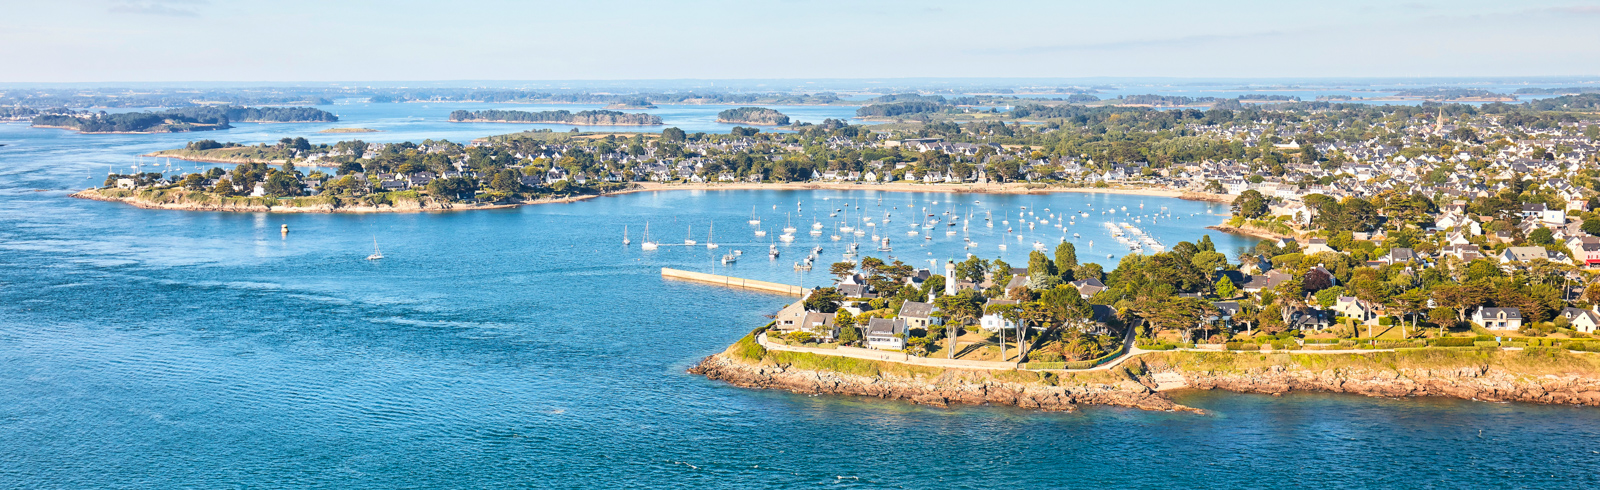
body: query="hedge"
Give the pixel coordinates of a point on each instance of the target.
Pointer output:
(1323, 341)
(1451, 342)
(1486, 343)
(1398, 344)
(1515, 344)
(1285, 346)
(1242, 346)
(1045, 365)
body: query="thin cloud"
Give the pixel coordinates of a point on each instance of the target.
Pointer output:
(1130, 44)
(1579, 9)
(169, 8)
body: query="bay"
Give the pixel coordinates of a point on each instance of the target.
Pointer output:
(529, 347)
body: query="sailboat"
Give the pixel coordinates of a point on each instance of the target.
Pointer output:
(710, 236)
(689, 238)
(788, 227)
(753, 219)
(625, 239)
(647, 244)
(376, 253)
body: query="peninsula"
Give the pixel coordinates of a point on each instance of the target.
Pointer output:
(759, 116)
(1058, 332)
(581, 118)
(178, 120)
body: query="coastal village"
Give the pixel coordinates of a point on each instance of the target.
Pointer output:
(1382, 224)
(1444, 153)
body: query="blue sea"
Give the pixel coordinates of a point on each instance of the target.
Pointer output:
(529, 347)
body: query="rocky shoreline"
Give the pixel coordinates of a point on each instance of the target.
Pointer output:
(1491, 376)
(951, 386)
(1488, 384)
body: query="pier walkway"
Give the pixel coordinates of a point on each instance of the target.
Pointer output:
(732, 282)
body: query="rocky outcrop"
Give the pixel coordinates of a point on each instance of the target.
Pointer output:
(950, 386)
(1470, 383)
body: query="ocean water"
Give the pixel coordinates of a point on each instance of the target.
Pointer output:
(529, 348)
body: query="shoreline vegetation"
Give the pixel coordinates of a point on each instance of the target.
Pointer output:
(580, 118)
(205, 201)
(176, 121)
(394, 202)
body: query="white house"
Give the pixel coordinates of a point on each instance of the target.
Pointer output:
(1498, 318)
(994, 322)
(1581, 320)
(886, 334)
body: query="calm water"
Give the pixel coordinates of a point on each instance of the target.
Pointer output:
(528, 347)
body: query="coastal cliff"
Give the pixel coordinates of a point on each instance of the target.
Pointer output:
(1548, 376)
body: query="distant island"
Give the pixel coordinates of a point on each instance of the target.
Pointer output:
(582, 118)
(349, 130)
(178, 120)
(759, 116)
(637, 103)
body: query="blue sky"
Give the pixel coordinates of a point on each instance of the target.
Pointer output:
(294, 40)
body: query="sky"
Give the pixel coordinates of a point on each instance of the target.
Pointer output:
(415, 40)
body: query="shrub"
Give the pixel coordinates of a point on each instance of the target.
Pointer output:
(1451, 342)
(1485, 343)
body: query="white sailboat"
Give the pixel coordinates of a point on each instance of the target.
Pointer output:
(647, 244)
(376, 253)
(625, 239)
(711, 237)
(689, 238)
(788, 226)
(754, 220)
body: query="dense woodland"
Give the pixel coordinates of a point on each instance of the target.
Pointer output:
(179, 120)
(753, 115)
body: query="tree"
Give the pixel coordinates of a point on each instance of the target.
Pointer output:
(972, 269)
(841, 270)
(958, 309)
(825, 300)
(1041, 271)
(1225, 287)
(453, 187)
(281, 184)
(1409, 303)
(1066, 257)
(1063, 306)
(506, 181)
(849, 335)
(1541, 236)
(672, 135)
(1250, 204)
